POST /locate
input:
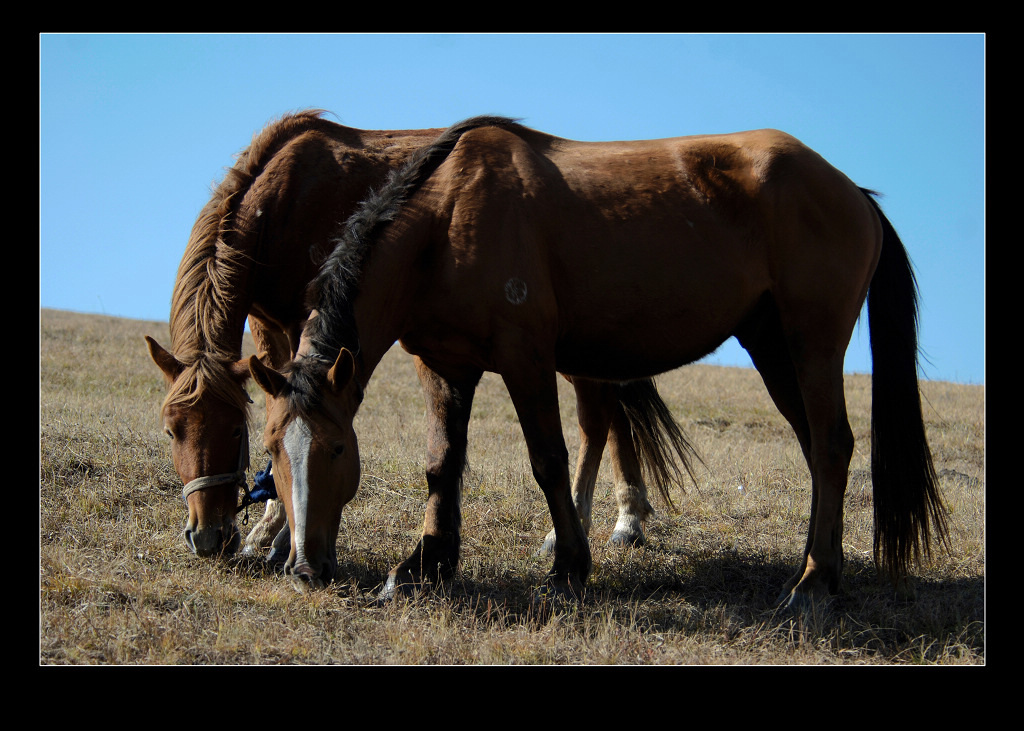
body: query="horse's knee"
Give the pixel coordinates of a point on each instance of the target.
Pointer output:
(552, 472)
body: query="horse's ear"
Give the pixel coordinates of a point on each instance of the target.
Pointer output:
(240, 370)
(268, 379)
(342, 371)
(170, 365)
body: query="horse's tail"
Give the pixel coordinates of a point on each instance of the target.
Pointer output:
(657, 438)
(908, 507)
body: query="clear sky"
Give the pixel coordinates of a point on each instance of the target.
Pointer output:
(135, 130)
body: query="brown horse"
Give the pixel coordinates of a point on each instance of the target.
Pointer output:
(253, 250)
(505, 249)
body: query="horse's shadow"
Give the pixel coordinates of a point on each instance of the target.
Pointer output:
(677, 590)
(680, 590)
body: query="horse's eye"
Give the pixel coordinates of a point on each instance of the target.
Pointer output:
(237, 433)
(169, 433)
(337, 450)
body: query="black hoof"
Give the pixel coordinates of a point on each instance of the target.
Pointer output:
(804, 604)
(622, 539)
(396, 589)
(280, 548)
(550, 600)
(276, 558)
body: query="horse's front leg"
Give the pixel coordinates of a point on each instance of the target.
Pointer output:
(436, 556)
(264, 533)
(534, 393)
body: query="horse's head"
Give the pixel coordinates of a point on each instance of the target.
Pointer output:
(313, 447)
(209, 447)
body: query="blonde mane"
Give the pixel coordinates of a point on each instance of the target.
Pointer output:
(204, 316)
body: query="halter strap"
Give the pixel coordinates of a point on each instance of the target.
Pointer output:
(227, 478)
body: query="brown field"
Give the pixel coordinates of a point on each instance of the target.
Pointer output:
(117, 585)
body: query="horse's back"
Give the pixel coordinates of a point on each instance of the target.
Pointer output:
(626, 246)
(624, 189)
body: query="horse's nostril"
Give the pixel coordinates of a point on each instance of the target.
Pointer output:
(187, 537)
(303, 578)
(211, 541)
(303, 572)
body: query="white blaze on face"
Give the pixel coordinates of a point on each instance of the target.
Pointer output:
(298, 439)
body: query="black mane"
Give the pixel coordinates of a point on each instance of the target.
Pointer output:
(336, 285)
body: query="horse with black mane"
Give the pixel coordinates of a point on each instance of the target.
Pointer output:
(252, 252)
(505, 249)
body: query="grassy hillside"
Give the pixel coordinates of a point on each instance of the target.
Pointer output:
(117, 585)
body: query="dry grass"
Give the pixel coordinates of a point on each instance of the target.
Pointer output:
(117, 585)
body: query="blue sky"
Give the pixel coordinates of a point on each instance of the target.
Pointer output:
(135, 129)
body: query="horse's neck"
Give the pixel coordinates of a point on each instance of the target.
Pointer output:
(388, 288)
(256, 239)
(223, 337)
(358, 164)
(208, 314)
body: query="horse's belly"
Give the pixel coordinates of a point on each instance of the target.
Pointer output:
(638, 327)
(621, 358)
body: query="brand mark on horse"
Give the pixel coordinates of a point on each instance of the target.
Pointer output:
(515, 291)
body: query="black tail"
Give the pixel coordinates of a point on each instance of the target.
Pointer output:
(908, 507)
(657, 438)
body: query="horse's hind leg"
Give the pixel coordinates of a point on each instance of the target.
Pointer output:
(602, 421)
(436, 556)
(630, 489)
(594, 418)
(809, 393)
(831, 447)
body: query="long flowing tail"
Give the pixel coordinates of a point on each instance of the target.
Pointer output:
(657, 438)
(908, 507)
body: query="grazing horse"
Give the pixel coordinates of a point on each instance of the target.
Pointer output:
(253, 250)
(505, 249)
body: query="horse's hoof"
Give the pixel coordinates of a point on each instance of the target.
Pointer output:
(622, 539)
(804, 603)
(305, 584)
(549, 600)
(548, 546)
(793, 601)
(277, 557)
(398, 589)
(558, 589)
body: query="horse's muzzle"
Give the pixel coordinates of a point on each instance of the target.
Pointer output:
(213, 540)
(305, 577)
